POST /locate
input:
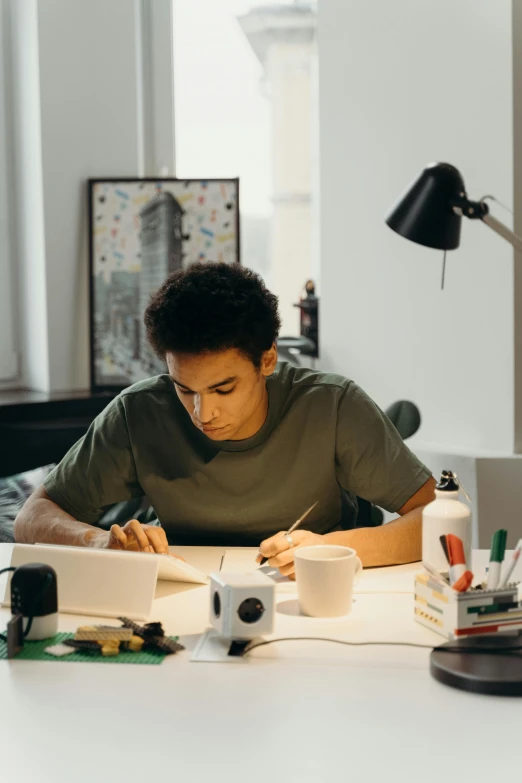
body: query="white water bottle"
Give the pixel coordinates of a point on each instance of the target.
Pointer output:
(446, 514)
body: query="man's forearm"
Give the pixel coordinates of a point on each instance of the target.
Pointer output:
(399, 541)
(42, 521)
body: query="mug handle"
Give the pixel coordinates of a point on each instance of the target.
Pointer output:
(358, 570)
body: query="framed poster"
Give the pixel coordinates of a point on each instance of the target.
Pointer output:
(142, 230)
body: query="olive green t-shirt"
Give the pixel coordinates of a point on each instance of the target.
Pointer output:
(323, 439)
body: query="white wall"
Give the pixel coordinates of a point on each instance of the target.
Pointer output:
(402, 84)
(94, 98)
(89, 127)
(29, 245)
(494, 485)
(8, 358)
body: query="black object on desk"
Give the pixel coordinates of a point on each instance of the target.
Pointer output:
(34, 594)
(490, 664)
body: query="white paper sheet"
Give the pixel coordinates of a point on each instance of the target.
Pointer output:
(238, 561)
(394, 579)
(172, 569)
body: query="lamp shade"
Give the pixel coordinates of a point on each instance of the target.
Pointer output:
(425, 213)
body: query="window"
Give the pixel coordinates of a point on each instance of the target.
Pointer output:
(8, 359)
(246, 105)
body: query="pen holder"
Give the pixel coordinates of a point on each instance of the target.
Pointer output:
(475, 612)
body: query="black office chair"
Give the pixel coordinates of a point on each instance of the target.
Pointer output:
(289, 348)
(406, 418)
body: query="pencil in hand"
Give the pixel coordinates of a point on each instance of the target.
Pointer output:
(293, 527)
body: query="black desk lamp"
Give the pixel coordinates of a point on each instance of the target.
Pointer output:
(430, 212)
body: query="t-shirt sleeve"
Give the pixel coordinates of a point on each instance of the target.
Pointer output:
(98, 470)
(372, 460)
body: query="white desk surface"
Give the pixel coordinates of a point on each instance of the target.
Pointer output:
(298, 711)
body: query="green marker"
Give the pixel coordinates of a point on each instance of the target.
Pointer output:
(496, 557)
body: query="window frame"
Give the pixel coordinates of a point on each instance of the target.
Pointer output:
(9, 366)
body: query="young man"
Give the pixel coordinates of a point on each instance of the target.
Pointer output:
(230, 448)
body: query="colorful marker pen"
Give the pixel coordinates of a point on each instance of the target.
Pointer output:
(432, 571)
(514, 560)
(498, 550)
(459, 574)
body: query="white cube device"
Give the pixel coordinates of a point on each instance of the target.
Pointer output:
(242, 606)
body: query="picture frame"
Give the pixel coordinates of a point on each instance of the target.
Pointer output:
(140, 231)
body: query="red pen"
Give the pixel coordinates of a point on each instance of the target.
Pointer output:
(459, 574)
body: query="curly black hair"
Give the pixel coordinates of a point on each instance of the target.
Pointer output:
(213, 307)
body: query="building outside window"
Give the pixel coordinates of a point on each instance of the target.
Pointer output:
(246, 104)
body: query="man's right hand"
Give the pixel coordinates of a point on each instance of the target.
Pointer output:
(136, 537)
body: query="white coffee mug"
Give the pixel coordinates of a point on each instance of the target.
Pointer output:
(325, 577)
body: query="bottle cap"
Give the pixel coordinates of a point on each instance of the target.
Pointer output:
(448, 482)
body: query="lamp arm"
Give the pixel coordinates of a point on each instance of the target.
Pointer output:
(504, 231)
(479, 210)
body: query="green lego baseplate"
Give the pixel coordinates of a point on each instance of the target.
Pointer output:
(35, 651)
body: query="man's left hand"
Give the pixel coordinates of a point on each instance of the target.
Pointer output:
(135, 537)
(281, 555)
